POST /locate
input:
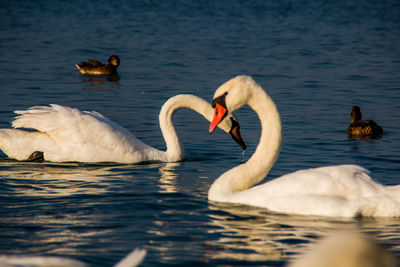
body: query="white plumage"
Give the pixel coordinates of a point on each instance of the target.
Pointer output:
(337, 191)
(68, 134)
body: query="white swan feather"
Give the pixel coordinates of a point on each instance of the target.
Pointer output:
(68, 134)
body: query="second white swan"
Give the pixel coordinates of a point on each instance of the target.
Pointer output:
(336, 191)
(68, 134)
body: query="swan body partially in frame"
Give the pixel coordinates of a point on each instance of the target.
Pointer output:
(65, 134)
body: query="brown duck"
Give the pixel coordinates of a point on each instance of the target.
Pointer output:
(93, 67)
(362, 129)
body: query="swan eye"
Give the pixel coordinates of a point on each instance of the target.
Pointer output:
(219, 100)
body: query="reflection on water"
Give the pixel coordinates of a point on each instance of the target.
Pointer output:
(45, 208)
(168, 177)
(253, 234)
(62, 208)
(55, 180)
(100, 83)
(100, 79)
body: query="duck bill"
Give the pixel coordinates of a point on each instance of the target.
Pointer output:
(219, 114)
(235, 134)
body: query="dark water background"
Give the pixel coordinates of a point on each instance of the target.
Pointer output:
(315, 58)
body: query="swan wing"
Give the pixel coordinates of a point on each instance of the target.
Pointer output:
(69, 124)
(87, 131)
(341, 191)
(133, 259)
(39, 261)
(338, 180)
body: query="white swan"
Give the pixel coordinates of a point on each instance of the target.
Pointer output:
(337, 191)
(68, 134)
(133, 259)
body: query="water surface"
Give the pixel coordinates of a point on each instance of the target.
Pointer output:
(315, 59)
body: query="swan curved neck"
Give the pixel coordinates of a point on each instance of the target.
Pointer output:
(175, 150)
(257, 167)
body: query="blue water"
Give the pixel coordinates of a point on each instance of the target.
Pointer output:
(315, 58)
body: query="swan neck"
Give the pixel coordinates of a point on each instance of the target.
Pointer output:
(257, 167)
(175, 150)
(268, 148)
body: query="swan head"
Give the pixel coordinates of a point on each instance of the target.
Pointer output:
(229, 97)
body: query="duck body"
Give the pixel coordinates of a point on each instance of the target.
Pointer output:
(93, 67)
(362, 129)
(332, 191)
